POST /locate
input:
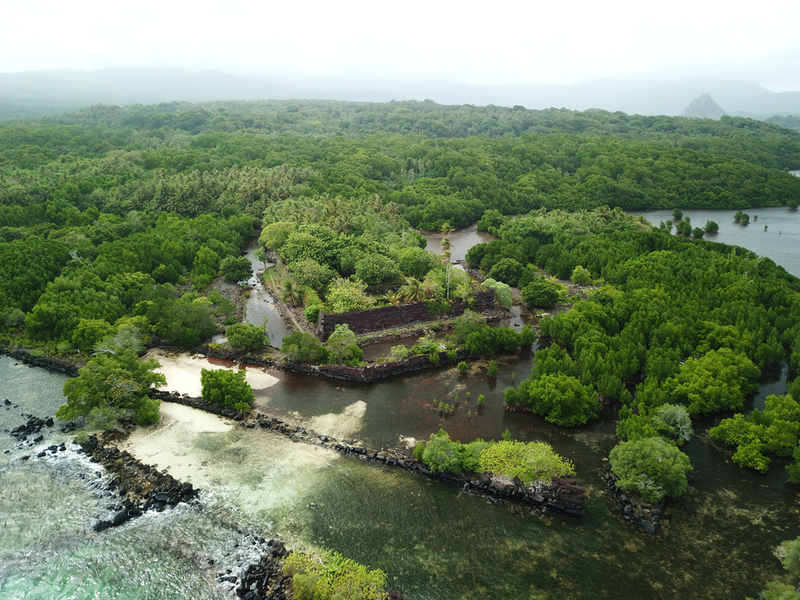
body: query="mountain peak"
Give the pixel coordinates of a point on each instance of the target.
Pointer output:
(703, 107)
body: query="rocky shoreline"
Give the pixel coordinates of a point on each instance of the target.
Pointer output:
(51, 363)
(138, 488)
(561, 495)
(647, 516)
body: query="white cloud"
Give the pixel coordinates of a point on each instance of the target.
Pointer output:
(498, 42)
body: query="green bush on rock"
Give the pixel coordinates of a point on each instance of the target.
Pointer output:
(246, 336)
(227, 388)
(115, 385)
(650, 467)
(530, 461)
(304, 348)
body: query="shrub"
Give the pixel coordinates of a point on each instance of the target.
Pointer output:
(246, 336)
(683, 228)
(227, 388)
(419, 450)
(651, 467)
(791, 560)
(416, 262)
(491, 370)
(399, 353)
(304, 347)
(437, 306)
(507, 270)
(463, 367)
(425, 345)
(492, 340)
(342, 346)
(581, 276)
(376, 269)
(348, 296)
(718, 380)
(312, 312)
(559, 398)
(236, 268)
(119, 382)
(527, 337)
(669, 420)
(11, 318)
(309, 273)
(466, 323)
(471, 456)
(89, 332)
(774, 430)
(442, 454)
(502, 292)
(673, 420)
(530, 461)
(540, 294)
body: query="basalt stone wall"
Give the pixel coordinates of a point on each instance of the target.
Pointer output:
(384, 370)
(198, 403)
(360, 374)
(390, 317)
(141, 487)
(562, 495)
(50, 363)
(237, 357)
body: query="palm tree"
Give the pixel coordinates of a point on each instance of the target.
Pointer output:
(292, 293)
(413, 290)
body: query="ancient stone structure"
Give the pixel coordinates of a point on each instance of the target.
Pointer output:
(390, 317)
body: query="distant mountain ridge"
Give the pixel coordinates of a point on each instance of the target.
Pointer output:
(36, 93)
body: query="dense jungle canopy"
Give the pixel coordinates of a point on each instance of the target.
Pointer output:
(113, 221)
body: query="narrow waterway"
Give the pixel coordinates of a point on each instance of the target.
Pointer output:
(260, 303)
(461, 240)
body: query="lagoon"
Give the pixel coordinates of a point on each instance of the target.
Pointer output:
(775, 234)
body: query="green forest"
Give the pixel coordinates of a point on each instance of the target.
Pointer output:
(115, 221)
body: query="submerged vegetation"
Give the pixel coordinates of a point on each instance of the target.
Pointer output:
(331, 576)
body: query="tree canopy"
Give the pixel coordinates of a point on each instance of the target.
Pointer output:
(116, 384)
(227, 388)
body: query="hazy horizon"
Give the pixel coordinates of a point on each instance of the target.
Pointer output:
(506, 44)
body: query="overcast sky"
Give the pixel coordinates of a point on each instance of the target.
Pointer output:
(491, 42)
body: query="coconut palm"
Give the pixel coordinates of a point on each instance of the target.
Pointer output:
(413, 290)
(292, 293)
